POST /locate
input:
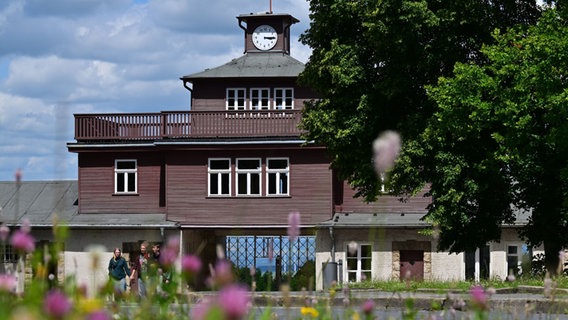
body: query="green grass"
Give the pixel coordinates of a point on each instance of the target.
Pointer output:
(457, 286)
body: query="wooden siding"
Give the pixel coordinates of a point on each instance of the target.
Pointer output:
(96, 183)
(345, 202)
(188, 203)
(210, 94)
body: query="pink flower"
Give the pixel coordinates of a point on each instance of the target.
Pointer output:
(190, 263)
(99, 315)
(293, 225)
(26, 226)
(478, 297)
(7, 282)
(200, 310)
(368, 307)
(235, 301)
(173, 244)
(56, 304)
(222, 274)
(386, 149)
(170, 253)
(168, 257)
(4, 232)
(22, 241)
(18, 175)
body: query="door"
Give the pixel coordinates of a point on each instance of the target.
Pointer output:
(412, 265)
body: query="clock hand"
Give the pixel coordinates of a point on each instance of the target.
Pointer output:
(271, 38)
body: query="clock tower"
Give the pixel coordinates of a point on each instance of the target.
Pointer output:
(267, 32)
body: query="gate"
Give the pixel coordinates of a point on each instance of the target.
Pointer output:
(263, 252)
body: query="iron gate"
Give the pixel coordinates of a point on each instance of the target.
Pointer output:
(263, 252)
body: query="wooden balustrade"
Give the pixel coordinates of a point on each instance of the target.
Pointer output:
(186, 124)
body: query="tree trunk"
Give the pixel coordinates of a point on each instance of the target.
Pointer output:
(551, 258)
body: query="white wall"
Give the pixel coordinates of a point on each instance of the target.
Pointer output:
(87, 252)
(444, 266)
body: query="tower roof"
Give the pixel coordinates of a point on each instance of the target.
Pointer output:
(254, 65)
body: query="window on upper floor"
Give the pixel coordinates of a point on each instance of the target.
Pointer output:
(359, 262)
(219, 180)
(9, 255)
(277, 176)
(248, 177)
(259, 98)
(125, 176)
(283, 98)
(236, 99)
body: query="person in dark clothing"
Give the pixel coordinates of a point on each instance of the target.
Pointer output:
(141, 268)
(118, 271)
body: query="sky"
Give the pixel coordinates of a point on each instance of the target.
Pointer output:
(65, 57)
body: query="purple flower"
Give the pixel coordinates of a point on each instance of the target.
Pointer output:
(170, 253)
(173, 244)
(56, 304)
(478, 297)
(223, 273)
(7, 282)
(200, 310)
(386, 149)
(18, 176)
(4, 232)
(22, 241)
(235, 301)
(190, 263)
(293, 225)
(99, 315)
(26, 226)
(168, 257)
(368, 307)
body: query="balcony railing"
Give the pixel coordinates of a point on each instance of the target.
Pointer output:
(187, 124)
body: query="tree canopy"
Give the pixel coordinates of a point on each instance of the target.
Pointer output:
(498, 142)
(371, 63)
(477, 89)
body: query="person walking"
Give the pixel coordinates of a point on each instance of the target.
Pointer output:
(118, 271)
(140, 267)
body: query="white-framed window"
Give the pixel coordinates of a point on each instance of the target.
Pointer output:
(359, 261)
(277, 176)
(219, 177)
(248, 171)
(259, 98)
(283, 98)
(125, 176)
(236, 99)
(517, 253)
(8, 254)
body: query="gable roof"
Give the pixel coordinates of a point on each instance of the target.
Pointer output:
(257, 64)
(41, 202)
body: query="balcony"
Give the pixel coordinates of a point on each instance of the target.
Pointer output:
(186, 125)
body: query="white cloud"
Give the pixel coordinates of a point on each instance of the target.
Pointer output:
(68, 56)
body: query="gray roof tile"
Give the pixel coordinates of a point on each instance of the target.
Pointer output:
(256, 64)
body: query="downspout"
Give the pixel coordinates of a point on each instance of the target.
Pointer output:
(245, 30)
(332, 243)
(190, 91)
(287, 36)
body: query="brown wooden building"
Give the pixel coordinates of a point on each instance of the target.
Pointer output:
(235, 164)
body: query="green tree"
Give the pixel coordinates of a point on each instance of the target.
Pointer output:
(372, 61)
(498, 143)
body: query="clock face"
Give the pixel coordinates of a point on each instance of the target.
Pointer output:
(264, 37)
